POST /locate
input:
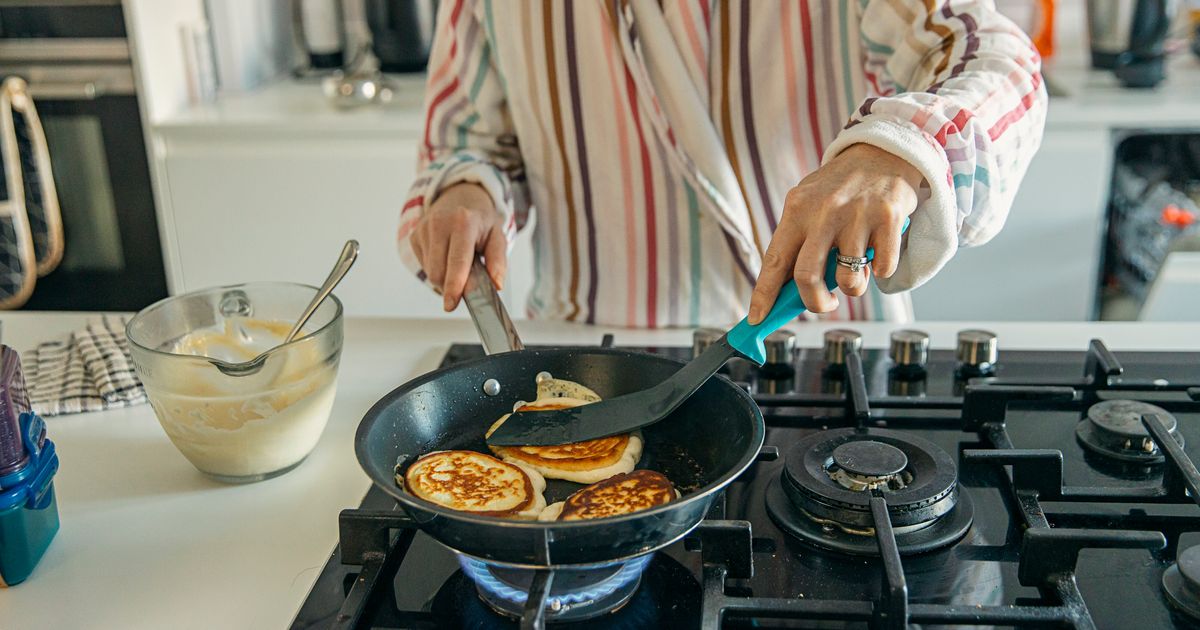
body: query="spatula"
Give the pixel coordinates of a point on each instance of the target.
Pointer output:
(629, 412)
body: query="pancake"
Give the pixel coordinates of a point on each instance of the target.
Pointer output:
(473, 482)
(622, 494)
(562, 388)
(582, 462)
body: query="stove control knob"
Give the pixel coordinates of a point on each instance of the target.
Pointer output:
(780, 346)
(838, 344)
(909, 348)
(977, 350)
(702, 338)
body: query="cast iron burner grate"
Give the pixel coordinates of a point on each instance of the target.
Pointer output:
(573, 595)
(722, 566)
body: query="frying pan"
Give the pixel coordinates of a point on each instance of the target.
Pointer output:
(701, 447)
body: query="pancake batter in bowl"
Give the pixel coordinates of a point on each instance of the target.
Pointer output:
(242, 428)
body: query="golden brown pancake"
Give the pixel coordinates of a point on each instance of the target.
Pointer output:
(621, 494)
(473, 482)
(581, 462)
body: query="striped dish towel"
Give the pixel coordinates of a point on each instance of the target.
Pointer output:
(90, 370)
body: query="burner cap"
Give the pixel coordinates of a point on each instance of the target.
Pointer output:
(1181, 582)
(869, 458)
(1113, 428)
(918, 481)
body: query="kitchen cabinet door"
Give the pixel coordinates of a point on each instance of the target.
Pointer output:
(1044, 265)
(261, 206)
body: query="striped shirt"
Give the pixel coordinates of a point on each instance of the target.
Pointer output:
(657, 138)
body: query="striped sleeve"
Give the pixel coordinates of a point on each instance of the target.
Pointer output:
(959, 95)
(468, 134)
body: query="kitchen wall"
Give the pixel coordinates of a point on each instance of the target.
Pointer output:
(267, 183)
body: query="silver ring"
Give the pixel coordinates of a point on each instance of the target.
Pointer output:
(853, 263)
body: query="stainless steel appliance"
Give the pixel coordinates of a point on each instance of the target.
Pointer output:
(75, 56)
(1128, 37)
(401, 33)
(321, 33)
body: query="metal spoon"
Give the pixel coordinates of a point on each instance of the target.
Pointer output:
(344, 262)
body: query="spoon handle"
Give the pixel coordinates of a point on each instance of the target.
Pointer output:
(345, 261)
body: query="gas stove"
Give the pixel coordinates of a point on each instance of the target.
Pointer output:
(897, 487)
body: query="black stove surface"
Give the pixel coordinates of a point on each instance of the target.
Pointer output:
(1061, 536)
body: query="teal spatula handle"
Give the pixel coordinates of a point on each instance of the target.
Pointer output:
(748, 338)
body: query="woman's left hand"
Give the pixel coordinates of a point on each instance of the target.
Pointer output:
(858, 200)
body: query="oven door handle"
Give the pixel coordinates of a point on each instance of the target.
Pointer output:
(82, 91)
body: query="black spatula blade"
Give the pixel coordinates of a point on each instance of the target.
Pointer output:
(613, 416)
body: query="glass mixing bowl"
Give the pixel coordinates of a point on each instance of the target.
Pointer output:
(245, 427)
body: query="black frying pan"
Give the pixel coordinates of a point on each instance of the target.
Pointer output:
(701, 447)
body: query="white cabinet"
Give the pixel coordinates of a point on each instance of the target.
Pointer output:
(249, 205)
(1044, 265)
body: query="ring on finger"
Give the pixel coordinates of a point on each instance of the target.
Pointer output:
(853, 263)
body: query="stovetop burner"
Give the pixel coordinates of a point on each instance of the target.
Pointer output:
(667, 597)
(574, 594)
(1181, 582)
(1114, 429)
(824, 493)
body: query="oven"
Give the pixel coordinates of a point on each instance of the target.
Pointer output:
(75, 56)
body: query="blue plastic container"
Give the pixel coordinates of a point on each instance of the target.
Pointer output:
(28, 510)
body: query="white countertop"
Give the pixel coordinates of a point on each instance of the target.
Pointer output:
(148, 542)
(1082, 97)
(298, 106)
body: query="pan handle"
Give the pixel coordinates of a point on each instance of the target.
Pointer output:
(495, 328)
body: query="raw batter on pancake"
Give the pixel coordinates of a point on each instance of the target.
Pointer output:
(582, 462)
(622, 494)
(473, 482)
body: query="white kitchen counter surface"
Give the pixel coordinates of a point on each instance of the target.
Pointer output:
(1082, 97)
(298, 106)
(148, 542)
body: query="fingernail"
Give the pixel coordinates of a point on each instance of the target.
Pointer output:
(448, 305)
(756, 314)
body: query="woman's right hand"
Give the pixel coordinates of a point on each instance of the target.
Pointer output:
(460, 224)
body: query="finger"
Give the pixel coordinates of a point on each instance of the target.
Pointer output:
(886, 241)
(418, 248)
(435, 255)
(852, 242)
(459, 256)
(777, 267)
(810, 275)
(495, 255)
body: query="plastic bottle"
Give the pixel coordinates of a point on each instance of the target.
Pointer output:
(1043, 30)
(1194, 20)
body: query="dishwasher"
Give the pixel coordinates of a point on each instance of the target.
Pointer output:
(1151, 260)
